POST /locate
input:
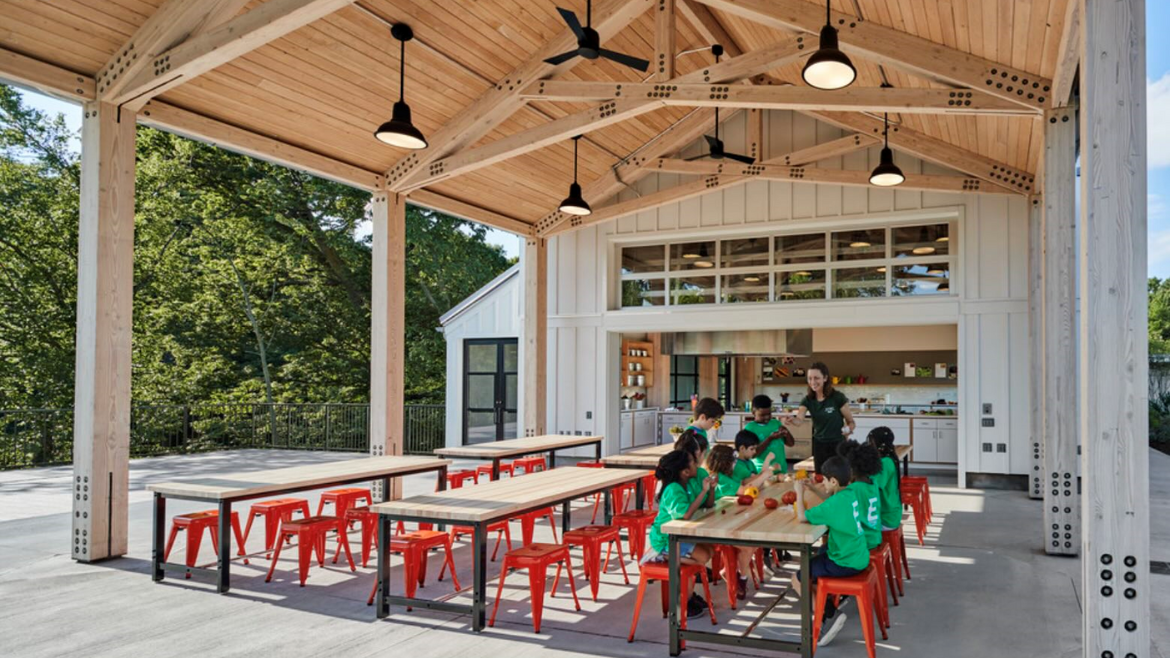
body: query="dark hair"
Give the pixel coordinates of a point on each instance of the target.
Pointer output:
(838, 469)
(828, 387)
(864, 460)
(721, 459)
(670, 468)
(882, 438)
(746, 439)
(710, 408)
(691, 441)
(761, 402)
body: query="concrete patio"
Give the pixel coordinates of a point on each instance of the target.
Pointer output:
(980, 582)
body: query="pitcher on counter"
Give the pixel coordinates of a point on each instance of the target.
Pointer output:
(829, 409)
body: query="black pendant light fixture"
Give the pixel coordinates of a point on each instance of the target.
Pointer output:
(399, 130)
(575, 204)
(887, 174)
(829, 68)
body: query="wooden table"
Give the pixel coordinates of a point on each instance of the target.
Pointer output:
(642, 458)
(479, 506)
(903, 453)
(223, 490)
(755, 526)
(529, 445)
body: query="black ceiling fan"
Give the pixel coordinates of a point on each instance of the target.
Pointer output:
(716, 144)
(589, 42)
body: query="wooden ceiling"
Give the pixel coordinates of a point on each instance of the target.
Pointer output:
(325, 86)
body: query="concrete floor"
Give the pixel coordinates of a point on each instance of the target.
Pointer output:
(979, 585)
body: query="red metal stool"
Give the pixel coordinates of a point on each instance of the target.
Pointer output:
(343, 499)
(486, 469)
(194, 523)
(913, 497)
(920, 482)
(726, 553)
(528, 523)
(273, 511)
(621, 493)
(369, 526)
(636, 524)
(881, 560)
(456, 479)
(536, 558)
(529, 464)
(310, 534)
(897, 543)
(590, 538)
(863, 587)
(414, 548)
(660, 571)
(649, 489)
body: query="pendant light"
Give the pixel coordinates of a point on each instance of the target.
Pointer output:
(887, 174)
(829, 68)
(399, 130)
(575, 204)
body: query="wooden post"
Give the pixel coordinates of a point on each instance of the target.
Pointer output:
(535, 357)
(1036, 345)
(1061, 514)
(664, 40)
(105, 303)
(387, 329)
(755, 134)
(1114, 412)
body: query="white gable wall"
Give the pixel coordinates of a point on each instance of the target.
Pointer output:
(990, 307)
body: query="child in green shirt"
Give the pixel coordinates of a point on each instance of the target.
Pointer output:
(675, 471)
(865, 463)
(689, 443)
(746, 445)
(773, 436)
(722, 463)
(708, 413)
(889, 481)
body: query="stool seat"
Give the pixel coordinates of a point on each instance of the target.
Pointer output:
(486, 469)
(456, 479)
(310, 533)
(343, 499)
(529, 464)
(274, 511)
(536, 558)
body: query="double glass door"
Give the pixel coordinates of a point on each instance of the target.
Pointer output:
(490, 384)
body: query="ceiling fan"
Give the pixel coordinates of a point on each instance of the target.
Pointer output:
(716, 144)
(589, 42)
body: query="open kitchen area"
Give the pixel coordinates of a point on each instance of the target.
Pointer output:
(902, 377)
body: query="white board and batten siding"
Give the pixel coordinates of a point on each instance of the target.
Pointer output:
(990, 278)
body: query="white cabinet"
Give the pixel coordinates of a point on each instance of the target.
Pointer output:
(899, 426)
(948, 441)
(645, 428)
(672, 419)
(626, 430)
(936, 441)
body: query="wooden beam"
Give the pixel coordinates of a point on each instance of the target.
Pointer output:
(664, 40)
(708, 26)
(464, 210)
(502, 99)
(534, 360)
(388, 330)
(756, 139)
(26, 71)
(826, 150)
(657, 199)
(854, 99)
(169, 25)
(899, 49)
(1061, 508)
(1113, 338)
(105, 305)
(1036, 475)
(1068, 55)
(204, 52)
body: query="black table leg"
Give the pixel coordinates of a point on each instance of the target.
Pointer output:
(597, 450)
(608, 507)
(566, 518)
(496, 469)
(383, 575)
(160, 523)
(225, 547)
(442, 486)
(385, 489)
(479, 575)
(552, 459)
(640, 495)
(674, 594)
(806, 648)
(906, 465)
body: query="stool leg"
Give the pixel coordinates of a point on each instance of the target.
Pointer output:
(572, 582)
(343, 543)
(707, 593)
(905, 559)
(194, 539)
(536, 580)
(499, 592)
(320, 505)
(449, 562)
(621, 559)
(596, 504)
(865, 611)
(552, 522)
(305, 555)
(637, 606)
(170, 541)
(891, 578)
(275, 557)
(239, 536)
(248, 530)
(410, 561)
(527, 527)
(818, 614)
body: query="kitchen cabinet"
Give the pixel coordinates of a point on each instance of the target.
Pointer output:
(637, 428)
(936, 441)
(899, 426)
(948, 441)
(626, 430)
(672, 419)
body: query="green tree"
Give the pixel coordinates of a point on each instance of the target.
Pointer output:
(1159, 322)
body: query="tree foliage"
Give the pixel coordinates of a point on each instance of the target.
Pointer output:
(1159, 322)
(251, 280)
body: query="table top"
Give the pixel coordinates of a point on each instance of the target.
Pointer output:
(493, 500)
(729, 519)
(808, 465)
(256, 483)
(517, 447)
(641, 458)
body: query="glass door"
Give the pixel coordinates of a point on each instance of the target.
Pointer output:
(490, 389)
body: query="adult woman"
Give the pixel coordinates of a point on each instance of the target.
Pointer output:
(829, 409)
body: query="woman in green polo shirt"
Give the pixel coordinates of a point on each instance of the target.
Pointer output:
(829, 409)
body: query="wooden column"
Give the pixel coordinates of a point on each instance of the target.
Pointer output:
(535, 365)
(1114, 413)
(105, 303)
(1036, 345)
(664, 39)
(1059, 405)
(387, 329)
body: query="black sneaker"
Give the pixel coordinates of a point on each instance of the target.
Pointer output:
(695, 609)
(695, 598)
(741, 588)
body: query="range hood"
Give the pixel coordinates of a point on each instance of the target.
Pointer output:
(776, 342)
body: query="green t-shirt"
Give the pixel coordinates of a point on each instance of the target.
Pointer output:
(728, 486)
(672, 505)
(695, 484)
(888, 494)
(826, 416)
(744, 469)
(776, 447)
(842, 514)
(871, 523)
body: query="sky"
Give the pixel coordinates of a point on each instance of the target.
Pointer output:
(1158, 128)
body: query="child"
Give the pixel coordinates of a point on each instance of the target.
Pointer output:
(772, 434)
(721, 462)
(689, 443)
(865, 464)
(675, 471)
(708, 413)
(746, 445)
(889, 481)
(846, 554)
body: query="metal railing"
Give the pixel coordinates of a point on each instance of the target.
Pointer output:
(42, 437)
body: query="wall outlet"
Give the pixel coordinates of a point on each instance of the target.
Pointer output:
(986, 447)
(1001, 447)
(989, 422)
(588, 415)
(986, 408)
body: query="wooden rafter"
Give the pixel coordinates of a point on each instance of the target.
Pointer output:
(201, 53)
(826, 150)
(453, 206)
(503, 98)
(665, 34)
(46, 78)
(1068, 55)
(855, 99)
(899, 49)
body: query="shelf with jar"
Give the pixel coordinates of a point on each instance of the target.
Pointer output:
(637, 363)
